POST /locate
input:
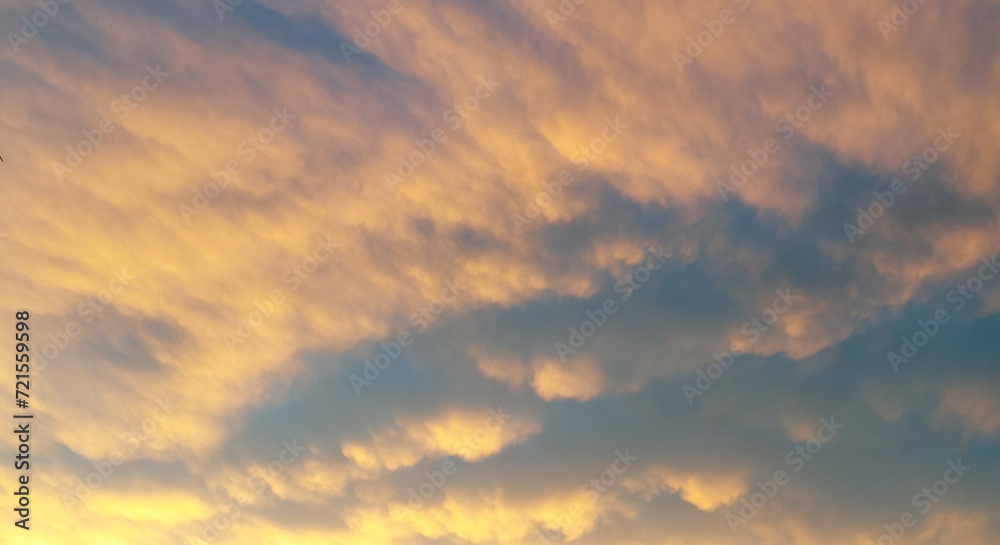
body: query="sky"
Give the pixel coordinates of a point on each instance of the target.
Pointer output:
(502, 272)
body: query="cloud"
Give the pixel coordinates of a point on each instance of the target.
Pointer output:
(607, 149)
(977, 406)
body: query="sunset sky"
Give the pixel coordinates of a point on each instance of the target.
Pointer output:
(503, 272)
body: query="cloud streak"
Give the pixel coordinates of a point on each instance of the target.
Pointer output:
(442, 194)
